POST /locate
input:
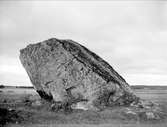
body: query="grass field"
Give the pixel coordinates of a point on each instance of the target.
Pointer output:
(42, 116)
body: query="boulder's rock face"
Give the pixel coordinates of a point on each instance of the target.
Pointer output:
(65, 71)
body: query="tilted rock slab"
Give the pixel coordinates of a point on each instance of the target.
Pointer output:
(67, 72)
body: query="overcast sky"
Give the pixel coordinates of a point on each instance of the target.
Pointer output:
(131, 36)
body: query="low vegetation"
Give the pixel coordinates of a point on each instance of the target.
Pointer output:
(23, 107)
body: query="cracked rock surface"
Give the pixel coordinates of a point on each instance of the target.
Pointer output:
(65, 71)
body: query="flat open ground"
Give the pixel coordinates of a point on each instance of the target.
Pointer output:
(36, 115)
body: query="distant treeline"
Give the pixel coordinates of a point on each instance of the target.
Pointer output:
(27, 87)
(2, 86)
(148, 87)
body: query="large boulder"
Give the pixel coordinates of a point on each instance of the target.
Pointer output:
(67, 72)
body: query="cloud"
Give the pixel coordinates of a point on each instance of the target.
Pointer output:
(131, 36)
(12, 72)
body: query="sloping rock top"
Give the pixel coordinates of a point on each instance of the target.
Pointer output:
(67, 72)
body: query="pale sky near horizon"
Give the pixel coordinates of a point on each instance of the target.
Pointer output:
(130, 35)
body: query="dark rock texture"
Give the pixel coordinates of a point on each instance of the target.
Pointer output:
(67, 72)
